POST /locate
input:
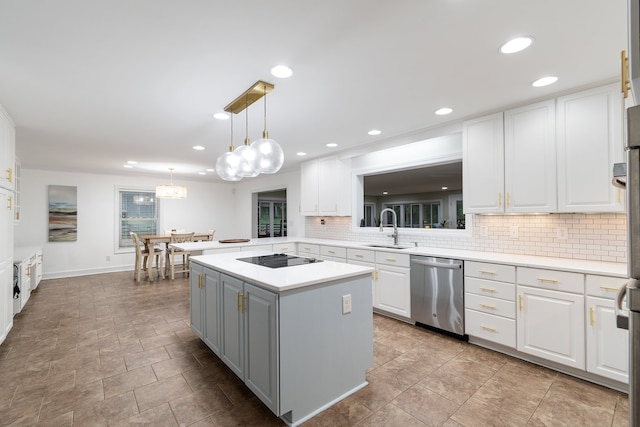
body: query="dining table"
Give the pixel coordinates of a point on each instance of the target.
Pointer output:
(150, 240)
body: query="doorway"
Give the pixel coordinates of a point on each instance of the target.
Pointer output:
(271, 214)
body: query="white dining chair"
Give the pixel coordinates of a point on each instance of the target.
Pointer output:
(142, 262)
(173, 252)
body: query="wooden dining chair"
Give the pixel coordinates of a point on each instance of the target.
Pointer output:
(172, 253)
(142, 262)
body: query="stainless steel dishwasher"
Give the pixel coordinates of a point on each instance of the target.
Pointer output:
(437, 293)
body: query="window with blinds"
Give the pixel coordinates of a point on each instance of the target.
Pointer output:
(138, 213)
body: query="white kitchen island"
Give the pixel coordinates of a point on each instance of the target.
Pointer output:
(288, 332)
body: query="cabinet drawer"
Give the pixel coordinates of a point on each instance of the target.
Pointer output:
(308, 248)
(551, 279)
(361, 255)
(283, 248)
(604, 286)
(491, 328)
(393, 258)
(333, 251)
(490, 288)
(489, 305)
(256, 248)
(489, 271)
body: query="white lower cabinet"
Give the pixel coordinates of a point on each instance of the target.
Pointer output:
(607, 346)
(333, 253)
(6, 294)
(392, 287)
(308, 250)
(391, 279)
(551, 325)
(490, 302)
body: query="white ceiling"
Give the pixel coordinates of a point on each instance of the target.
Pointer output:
(91, 84)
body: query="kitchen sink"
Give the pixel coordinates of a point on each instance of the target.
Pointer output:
(388, 246)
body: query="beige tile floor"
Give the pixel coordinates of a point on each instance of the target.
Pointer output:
(103, 351)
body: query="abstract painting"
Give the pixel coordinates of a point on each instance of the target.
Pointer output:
(63, 213)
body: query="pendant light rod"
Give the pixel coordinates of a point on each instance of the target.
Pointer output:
(231, 145)
(265, 134)
(247, 141)
(249, 96)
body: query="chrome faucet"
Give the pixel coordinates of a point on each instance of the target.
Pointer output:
(395, 224)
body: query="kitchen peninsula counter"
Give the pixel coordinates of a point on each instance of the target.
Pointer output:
(300, 337)
(565, 264)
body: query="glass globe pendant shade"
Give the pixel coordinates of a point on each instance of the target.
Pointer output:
(269, 155)
(228, 165)
(246, 167)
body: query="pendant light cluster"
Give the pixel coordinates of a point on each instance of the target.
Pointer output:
(264, 155)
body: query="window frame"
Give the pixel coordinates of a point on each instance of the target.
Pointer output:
(118, 212)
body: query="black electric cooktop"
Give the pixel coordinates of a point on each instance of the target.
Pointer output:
(279, 260)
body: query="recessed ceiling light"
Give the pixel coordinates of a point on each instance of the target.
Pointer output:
(443, 111)
(301, 153)
(128, 166)
(374, 132)
(132, 162)
(210, 170)
(281, 71)
(385, 192)
(516, 45)
(445, 188)
(544, 81)
(198, 147)
(221, 116)
(332, 145)
(202, 173)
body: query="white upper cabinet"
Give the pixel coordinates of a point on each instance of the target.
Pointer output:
(509, 162)
(530, 158)
(7, 151)
(326, 187)
(483, 164)
(552, 156)
(590, 141)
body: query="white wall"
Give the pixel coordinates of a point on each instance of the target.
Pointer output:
(207, 206)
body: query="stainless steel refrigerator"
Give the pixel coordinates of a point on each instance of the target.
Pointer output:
(632, 288)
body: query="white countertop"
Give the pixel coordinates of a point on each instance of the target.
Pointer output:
(564, 264)
(21, 253)
(279, 279)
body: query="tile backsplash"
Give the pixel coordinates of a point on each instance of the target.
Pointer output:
(597, 237)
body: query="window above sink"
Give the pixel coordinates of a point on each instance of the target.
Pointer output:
(414, 176)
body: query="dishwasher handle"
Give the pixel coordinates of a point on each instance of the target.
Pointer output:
(437, 264)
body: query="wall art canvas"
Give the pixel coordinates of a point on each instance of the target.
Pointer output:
(63, 213)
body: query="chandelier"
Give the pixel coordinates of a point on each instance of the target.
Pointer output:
(171, 191)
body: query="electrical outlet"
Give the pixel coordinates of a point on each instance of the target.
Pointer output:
(513, 231)
(108, 258)
(346, 304)
(562, 233)
(484, 231)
